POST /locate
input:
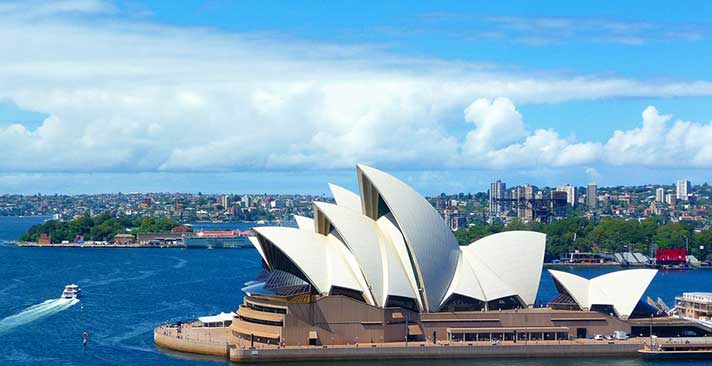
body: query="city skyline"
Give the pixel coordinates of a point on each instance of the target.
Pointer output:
(157, 96)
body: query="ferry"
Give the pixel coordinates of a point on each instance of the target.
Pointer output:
(218, 239)
(71, 292)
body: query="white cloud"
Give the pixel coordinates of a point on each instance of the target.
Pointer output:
(497, 122)
(133, 96)
(683, 144)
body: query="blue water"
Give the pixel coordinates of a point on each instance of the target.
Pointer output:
(12, 227)
(129, 291)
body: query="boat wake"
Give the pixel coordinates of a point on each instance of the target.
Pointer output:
(35, 312)
(181, 263)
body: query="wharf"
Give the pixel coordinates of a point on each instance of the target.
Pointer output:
(442, 350)
(680, 348)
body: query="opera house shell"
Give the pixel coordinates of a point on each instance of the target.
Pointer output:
(383, 265)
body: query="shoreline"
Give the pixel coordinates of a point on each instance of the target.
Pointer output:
(91, 245)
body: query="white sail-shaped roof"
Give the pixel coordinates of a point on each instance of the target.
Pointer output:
(319, 257)
(360, 234)
(345, 198)
(256, 243)
(400, 280)
(391, 245)
(304, 223)
(621, 289)
(432, 246)
(514, 257)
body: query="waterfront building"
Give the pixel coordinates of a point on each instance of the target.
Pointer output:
(660, 195)
(383, 266)
(123, 239)
(695, 305)
(497, 193)
(616, 293)
(592, 196)
(683, 189)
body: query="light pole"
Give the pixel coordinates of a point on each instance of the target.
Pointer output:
(651, 332)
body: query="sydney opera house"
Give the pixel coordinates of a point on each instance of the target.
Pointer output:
(382, 266)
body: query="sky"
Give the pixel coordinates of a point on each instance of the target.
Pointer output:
(273, 96)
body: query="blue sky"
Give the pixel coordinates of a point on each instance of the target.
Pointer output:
(233, 96)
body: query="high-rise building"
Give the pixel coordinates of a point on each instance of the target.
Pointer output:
(497, 193)
(683, 189)
(660, 195)
(670, 199)
(523, 199)
(570, 194)
(224, 201)
(592, 195)
(246, 201)
(559, 201)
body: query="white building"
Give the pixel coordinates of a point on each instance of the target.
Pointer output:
(570, 194)
(497, 193)
(660, 195)
(389, 246)
(670, 199)
(683, 189)
(617, 292)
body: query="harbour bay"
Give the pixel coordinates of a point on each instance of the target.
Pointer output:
(128, 292)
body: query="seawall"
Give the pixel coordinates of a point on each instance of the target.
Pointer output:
(627, 349)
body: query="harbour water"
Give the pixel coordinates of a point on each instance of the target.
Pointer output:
(126, 292)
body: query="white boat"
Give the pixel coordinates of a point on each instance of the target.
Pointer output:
(71, 292)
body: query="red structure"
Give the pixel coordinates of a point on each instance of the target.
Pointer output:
(671, 256)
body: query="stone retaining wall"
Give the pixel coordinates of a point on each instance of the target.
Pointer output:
(433, 352)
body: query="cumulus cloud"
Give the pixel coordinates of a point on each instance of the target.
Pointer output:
(681, 144)
(123, 95)
(497, 122)
(500, 140)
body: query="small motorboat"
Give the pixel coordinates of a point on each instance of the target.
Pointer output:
(71, 292)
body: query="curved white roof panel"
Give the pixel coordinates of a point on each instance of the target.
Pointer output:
(431, 244)
(256, 243)
(400, 279)
(304, 223)
(621, 289)
(345, 198)
(319, 257)
(465, 283)
(343, 268)
(514, 257)
(361, 235)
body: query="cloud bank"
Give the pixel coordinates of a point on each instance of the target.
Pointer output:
(126, 95)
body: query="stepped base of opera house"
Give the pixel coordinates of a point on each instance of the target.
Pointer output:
(338, 327)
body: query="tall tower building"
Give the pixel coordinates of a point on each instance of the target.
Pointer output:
(224, 201)
(523, 197)
(683, 189)
(497, 194)
(246, 201)
(592, 195)
(570, 194)
(660, 195)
